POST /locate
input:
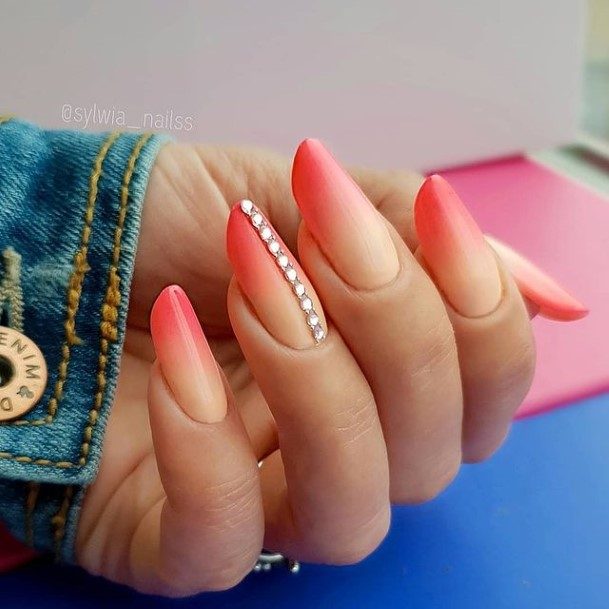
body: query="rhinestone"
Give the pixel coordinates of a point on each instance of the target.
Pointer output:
(283, 261)
(257, 219)
(299, 289)
(313, 319)
(266, 233)
(247, 206)
(318, 333)
(306, 304)
(290, 274)
(274, 247)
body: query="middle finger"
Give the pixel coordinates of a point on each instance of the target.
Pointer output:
(391, 316)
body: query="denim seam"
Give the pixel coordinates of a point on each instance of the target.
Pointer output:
(111, 292)
(30, 507)
(109, 313)
(108, 324)
(80, 267)
(59, 520)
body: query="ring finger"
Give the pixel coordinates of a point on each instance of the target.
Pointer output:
(391, 316)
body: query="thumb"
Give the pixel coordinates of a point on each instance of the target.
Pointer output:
(206, 534)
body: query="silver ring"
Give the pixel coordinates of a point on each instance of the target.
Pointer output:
(269, 560)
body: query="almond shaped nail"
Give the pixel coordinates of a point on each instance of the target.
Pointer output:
(554, 302)
(347, 227)
(272, 279)
(186, 360)
(455, 250)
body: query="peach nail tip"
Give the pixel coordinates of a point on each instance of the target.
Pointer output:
(565, 314)
(534, 283)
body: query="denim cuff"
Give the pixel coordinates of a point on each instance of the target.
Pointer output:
(70, 207)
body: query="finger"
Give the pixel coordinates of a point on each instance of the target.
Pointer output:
(335, 507)
(392, 318)
(208, 532)
(492, 328)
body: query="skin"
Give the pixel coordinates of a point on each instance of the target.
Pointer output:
(384, 410)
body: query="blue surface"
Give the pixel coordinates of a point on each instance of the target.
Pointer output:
(530, 528)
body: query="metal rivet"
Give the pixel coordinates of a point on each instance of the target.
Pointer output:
(23, 374)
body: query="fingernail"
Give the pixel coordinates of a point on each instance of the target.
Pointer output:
(554, 302)
(185, 358)
(455, 250)
(272, 279)
(346, 226)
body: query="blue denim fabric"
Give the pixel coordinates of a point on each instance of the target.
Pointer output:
(70, 205)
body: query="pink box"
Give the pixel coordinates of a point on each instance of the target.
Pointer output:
(562, 226)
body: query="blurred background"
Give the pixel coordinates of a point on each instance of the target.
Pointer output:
(417, 83)
(595, 114)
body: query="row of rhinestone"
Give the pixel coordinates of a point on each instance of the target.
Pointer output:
(283, 262)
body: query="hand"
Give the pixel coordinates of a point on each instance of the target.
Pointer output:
(412, 374)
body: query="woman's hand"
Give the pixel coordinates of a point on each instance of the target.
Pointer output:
(414, 357)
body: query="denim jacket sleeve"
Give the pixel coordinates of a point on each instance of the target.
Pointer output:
(70, 206)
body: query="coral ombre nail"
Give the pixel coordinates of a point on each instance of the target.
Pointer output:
(185, 358)
(346, 226)
(455, 250)
(272, 279)
(554, 302)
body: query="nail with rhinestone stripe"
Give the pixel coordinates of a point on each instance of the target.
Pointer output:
(272, 280)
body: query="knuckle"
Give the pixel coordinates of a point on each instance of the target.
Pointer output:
(357, 419)
(437, 350)
(483, 451)
(516, 367)
(227, 578)
(359, 542)
(178, 580)
(428, 486)
(230, 503)
(523, 361)
(217, 581)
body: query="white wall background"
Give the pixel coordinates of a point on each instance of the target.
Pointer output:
(418, 83)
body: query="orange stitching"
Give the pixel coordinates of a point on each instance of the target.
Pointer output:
(25, 459)
(30, 506)
(60, 520)
(109, 313)
(109, 318)
(80, 267)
